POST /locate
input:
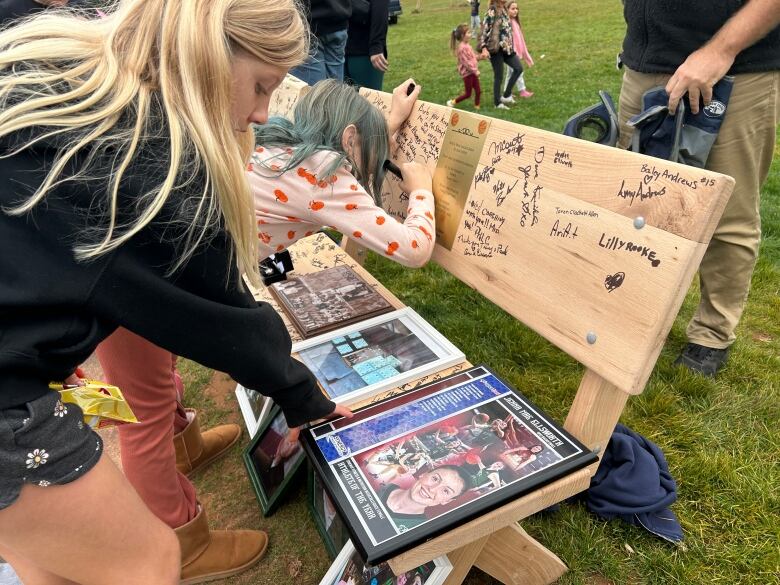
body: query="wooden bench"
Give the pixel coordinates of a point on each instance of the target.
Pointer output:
(591, 247)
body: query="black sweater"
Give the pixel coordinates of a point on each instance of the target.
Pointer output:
(54, 310)
(13, 9)
(662, 33)
(328, 16)
(369, 37)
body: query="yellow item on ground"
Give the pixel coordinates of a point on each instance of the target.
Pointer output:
(103, 404)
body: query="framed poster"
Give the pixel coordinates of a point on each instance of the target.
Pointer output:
(254, 407)
(356, 362)
(329, 524)
(349, 568)
(328, 299)
(271, 461)
(409, 468)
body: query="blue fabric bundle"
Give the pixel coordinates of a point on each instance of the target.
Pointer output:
(633, 483)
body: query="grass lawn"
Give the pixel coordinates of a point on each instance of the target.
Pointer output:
(720, 436)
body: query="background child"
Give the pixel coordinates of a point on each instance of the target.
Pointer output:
(474, 14)
(518, 40)
(467, 64)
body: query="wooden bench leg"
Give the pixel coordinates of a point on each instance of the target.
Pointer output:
(595, 411)
(514, 558)
(462, 560)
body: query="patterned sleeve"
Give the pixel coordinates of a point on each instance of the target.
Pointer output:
(341, 203)
(487, 24)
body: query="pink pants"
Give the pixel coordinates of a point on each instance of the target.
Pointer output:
(147, 376)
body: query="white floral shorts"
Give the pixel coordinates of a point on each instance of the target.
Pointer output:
(44, 442)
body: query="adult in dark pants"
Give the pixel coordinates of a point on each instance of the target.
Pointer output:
(496, 45)
(366, 60)
(687, 47)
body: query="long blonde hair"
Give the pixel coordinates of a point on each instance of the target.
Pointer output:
(96, 84)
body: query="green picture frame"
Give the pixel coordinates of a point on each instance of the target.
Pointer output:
(329, 524)
(271, 464)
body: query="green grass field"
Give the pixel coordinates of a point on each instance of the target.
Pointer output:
(720, 436)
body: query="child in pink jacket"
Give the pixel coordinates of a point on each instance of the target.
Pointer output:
(518, 40)
(467, 64)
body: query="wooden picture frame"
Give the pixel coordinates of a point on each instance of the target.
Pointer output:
(355, 362)
(348, 564)
(271, 467)
(254, 408)
(328, 299)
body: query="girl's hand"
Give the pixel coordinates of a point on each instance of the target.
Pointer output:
(401, 105)
(294, 433)
(485, 54)
(416, 176)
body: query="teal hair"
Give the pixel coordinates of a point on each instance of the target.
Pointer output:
(320, 119)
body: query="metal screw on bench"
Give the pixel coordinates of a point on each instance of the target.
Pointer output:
(591, 337)
(639, 222)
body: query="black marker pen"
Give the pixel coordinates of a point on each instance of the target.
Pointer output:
(393, 168)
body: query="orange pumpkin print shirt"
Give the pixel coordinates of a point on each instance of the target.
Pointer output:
(315, 199)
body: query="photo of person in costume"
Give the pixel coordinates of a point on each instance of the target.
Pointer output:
(397, 460)
(426, 473)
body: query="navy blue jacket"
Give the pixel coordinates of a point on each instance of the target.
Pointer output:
(661, 34)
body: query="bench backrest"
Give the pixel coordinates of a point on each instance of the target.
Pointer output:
(592, 247)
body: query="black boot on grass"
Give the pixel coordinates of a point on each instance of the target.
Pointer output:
(703, 360)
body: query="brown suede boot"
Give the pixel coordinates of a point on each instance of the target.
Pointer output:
(195, 450)
(207, 555)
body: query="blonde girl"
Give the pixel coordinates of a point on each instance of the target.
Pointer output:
(123, 147)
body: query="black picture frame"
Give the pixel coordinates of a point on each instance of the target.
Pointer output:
(272, 478)
(487, 465)
(329, 524)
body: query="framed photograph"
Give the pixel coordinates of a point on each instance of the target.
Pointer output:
(326, 300)
(409, 468)
(356, 362)
(254, 407)
(329, 524)
(272, 462)
(349, 568)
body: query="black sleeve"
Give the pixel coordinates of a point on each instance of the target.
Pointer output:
(196, 315)
(377, 36)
